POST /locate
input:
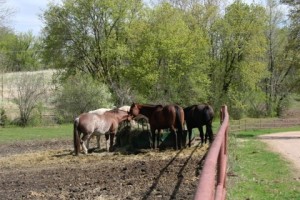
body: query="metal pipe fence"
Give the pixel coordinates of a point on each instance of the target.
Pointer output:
(212, 182)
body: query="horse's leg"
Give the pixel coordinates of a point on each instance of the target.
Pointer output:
(88, 142)
(179, 138)
(173, 131)
(111, 140)
(106, 141)
(201, 134)
(209, 132)
(84, 140)
(153, 138)
(98, 141)
(190, 137)
(158, 137)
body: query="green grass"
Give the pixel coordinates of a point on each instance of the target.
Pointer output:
(13, 134)
(258, 173)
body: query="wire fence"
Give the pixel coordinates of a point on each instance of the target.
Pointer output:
(255, 124)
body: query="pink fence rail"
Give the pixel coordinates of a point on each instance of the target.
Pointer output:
(212, 182)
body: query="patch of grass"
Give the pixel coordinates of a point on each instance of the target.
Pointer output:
(256, 173)
(13, 134)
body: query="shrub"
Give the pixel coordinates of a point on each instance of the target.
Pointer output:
(80, 93)
(3, 117)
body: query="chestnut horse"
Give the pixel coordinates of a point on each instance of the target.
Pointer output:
(162, 117)
(197, 116)
(91, 123)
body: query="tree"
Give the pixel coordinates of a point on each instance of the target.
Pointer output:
(5, 13)
(20, 51)
(91, 36)
(78, 94)
(239, 62)
(289, 80)
(28, 91)
(277, 41)
(169, 58)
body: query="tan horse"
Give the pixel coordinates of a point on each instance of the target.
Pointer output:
(101, 111)
(91, 123)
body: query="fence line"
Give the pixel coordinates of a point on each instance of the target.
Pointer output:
(212, 182)
(254, 124)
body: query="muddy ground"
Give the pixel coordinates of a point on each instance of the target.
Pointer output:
(48, 170)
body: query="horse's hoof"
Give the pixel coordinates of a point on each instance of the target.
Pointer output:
(111, 149)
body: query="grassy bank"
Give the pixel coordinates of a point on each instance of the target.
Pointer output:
(13, 134)
(256, 173)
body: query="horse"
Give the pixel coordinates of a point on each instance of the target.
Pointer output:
(161, 117)
(99, 111)
(197, 116)
(90, 123)
(125, 108)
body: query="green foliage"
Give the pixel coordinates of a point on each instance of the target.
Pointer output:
(169, 59)
(239, 66)
(91, 36)
(19, 51)
(81, 93)
(28, 91)
(182, 52)
(3, 118)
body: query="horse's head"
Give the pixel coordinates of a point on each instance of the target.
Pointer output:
(134, 110)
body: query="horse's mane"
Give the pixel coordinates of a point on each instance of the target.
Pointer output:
(116, 110)
(151, 105)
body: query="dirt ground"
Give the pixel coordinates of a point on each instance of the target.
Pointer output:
(287, 144)
(48, 170)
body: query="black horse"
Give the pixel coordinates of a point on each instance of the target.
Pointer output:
(197, 116)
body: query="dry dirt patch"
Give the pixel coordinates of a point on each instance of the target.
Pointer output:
(57, 174)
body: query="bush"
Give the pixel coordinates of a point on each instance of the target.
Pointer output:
(78, 94)
(3, 117)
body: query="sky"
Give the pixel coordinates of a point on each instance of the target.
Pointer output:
(26, 17)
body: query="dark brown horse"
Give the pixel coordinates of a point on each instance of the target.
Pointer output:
(197, 116)
(90, 123)
(162, 117)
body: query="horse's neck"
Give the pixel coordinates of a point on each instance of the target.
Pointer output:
(147, 111)
(122, 116)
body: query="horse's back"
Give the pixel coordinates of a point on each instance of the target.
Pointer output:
(100, 111)
(200, 114)
(165, 116)
(92, 122)
(124, 108)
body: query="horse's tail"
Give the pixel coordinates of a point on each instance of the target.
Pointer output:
(179, 125)
(76, 137)
(178, 119)
(209, 115)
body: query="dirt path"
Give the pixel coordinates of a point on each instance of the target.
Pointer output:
(288, 145)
